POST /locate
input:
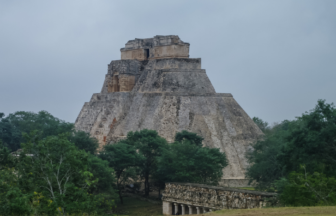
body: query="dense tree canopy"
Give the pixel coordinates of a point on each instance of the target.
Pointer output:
(149, 146)
(9, 134)
(52, 176)
(264, 156)
(307, 189)
(187, 161)
(122, 157)
(192, 138)
(264, 127)
(310, 140)
(58, 169)
(84, 141)
(14, 125)
(6, 159)
(42, 121)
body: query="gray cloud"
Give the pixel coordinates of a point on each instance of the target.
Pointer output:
(276, 57)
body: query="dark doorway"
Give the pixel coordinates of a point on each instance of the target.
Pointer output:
(147, 53)
(179, 210)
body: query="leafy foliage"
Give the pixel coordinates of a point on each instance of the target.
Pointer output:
(264, 157)
(150, 146)
(122, 157)
(59, 171)
(309, 140)
(44, 122)
(105, 175)
(186, 162)
(6, 158)
(52, 176)
(264, 127)
(304, 189)
(84, 141)
(13, 200)
(9, 134)
(313, 141)
(192, 138)
(14, 125)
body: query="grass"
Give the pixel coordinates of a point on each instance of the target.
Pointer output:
(134, 206)
(283, 211)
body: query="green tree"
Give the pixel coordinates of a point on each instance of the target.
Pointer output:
(187, 162)
(84, 141)
(305, 189)
(104, 174)
(121, 157)
(6, 158)
(263, 125)
(149, 146)
(9, 134)
(54, 167)
(42, 121)
(309, 140)
(313, 141)
(188, 136)
(263, 156)
(14, 125)
(13, 200)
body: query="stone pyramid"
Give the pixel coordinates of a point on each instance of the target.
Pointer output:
(157, 86)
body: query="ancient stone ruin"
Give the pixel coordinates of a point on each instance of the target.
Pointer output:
(186, 198)
(157, 86)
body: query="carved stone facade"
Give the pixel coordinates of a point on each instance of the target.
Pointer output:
(186, 198)
(169, 92)
(120, 83)
(155, 48)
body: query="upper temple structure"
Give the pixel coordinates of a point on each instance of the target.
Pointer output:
(155, 48)
(157, 86)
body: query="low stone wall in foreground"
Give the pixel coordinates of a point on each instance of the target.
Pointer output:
(187, 198)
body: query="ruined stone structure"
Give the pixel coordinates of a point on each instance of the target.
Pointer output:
(157, 86)
(186, 198)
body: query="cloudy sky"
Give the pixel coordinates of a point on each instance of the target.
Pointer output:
(277, 58)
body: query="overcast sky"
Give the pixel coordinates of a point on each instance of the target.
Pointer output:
(277, 58)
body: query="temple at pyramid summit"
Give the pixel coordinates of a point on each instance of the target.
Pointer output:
(157, 86)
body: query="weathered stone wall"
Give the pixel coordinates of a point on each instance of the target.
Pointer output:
(138, 54)
(212, 197)
(172, 51)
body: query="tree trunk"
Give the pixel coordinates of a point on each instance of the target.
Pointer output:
(120, 197)
(146, 185)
